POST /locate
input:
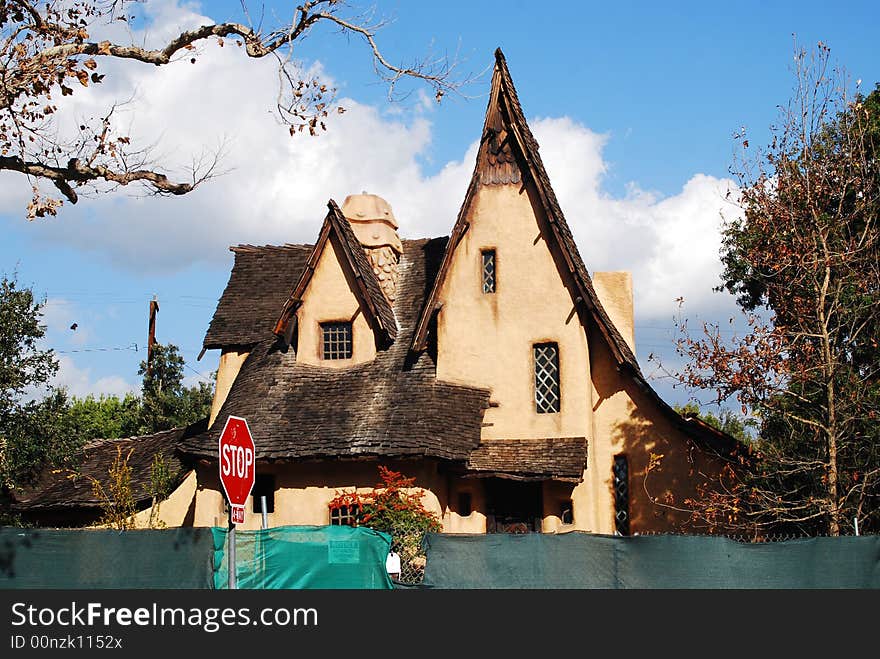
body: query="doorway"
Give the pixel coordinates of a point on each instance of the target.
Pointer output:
(513, 506)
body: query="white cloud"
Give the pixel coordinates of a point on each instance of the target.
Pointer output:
(277, 187)
(78, 381)
(671, 245)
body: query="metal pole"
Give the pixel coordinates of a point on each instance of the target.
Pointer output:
(856, 523)
(231, 558)
(265, 514)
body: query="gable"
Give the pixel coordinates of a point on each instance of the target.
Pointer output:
(330, 297)
(359, 273)
(506, 140)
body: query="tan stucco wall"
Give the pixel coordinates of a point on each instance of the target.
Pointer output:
(615, 291)
(174, 510)
(486, 339)
(628, 421)
(304, 490)
(330, 297)
(230, 364)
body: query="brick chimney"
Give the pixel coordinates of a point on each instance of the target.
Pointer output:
(374, 225)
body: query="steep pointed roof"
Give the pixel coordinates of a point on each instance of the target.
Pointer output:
(353, 256)
(508, 147)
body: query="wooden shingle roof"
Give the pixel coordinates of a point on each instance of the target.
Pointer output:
(392, 406)
(557, 458)
(260, 281)
(72, 488)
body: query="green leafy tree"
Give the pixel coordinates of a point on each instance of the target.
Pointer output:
(165, 402)
(32, 432)
(804, 261)
(103, 417)
(726, 421)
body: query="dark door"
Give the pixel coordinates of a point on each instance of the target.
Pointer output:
(513, 506)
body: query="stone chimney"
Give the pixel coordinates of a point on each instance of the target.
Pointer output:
(374, 226)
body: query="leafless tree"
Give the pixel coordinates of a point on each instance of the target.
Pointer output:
(47, 51)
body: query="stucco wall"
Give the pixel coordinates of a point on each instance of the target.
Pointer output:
(176, 508)
(304, 490)
(486, 339)
(615, 291)
(330, 297)
(230, 364)
(627, 421)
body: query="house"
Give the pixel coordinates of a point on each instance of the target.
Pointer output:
(489, 365)
(66, 497)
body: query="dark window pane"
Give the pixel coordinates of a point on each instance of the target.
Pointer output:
(464, 504)
(337, 340)
(620, 471)
(264, 486)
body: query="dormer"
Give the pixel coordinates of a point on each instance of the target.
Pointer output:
(339, 313)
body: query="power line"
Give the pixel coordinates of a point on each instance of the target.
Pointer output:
(133, 347)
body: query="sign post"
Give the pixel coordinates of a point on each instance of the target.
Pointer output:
(237, 470)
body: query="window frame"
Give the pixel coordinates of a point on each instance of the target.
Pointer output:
(330, 325)
(350, 516)
(494, 274)
(621, 495)
(535, 374)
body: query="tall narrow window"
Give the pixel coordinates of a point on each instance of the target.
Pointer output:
(337, 340)
(264, 486)
(488, 269)
(620, 470)
(546, 378)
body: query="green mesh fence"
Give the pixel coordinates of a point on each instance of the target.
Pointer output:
(581, 560)
(304, 557)
(103, 558)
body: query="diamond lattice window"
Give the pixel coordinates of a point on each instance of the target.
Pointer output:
(488, 262)
(620, 470)
(547, 378)
(337, 340)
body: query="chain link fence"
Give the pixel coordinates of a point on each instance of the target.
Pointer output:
(408, 542)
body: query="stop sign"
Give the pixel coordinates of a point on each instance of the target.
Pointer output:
(236, 451)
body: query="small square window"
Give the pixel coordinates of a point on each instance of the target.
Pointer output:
(337, 342)
(547, 397)
(345, 515)
(488, 270)
(264, 486)
(464, 504)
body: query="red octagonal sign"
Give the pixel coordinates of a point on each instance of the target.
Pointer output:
(237, 467)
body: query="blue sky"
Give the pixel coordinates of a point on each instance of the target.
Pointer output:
(634, 105)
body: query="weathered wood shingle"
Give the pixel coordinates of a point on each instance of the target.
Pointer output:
(556, 458)
(260, 281)
(391, 406)
(72, 488)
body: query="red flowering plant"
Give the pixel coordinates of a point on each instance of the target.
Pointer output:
(394, 506)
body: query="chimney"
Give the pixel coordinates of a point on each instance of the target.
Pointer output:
(374, 226)
(615, 291)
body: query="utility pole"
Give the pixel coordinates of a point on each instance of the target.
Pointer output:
(151, 339)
